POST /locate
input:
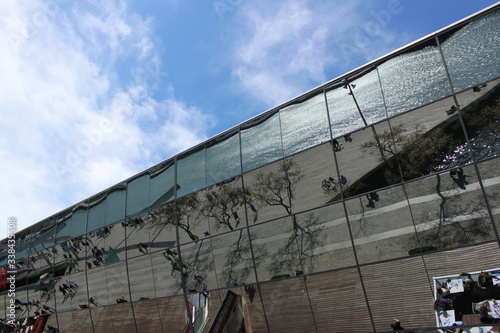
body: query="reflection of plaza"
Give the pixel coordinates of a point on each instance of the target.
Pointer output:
(332, 209)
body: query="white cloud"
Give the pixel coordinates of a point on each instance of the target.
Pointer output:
(73, 120)
(285, 48)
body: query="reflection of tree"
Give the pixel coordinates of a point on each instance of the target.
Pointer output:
(239, 255)
(186, 209)
(452, 228)
(222, 204)
(276, 188)
(419, 151)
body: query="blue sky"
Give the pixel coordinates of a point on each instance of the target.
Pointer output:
(92, 93)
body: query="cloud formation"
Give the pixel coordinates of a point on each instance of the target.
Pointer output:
(79, 105)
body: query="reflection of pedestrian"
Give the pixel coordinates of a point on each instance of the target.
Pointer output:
(62, 290)
(343, 180)
(396, 326)
(92, 300)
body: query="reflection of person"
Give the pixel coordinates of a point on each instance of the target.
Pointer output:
(443, 304)
(121, 300)
(396, 326)
(443, 290)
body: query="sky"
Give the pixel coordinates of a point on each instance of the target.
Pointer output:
(93, 92)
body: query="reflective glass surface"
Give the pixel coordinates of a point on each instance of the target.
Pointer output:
(191, 173)
(137, 194)
(223, 158)
(261, 142)
(161, 184)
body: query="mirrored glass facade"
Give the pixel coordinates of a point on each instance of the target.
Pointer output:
(330, 212)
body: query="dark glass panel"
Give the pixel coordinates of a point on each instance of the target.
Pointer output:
(222, 205)
(101, 319)
(449, 210)
(137, 194)
(43, 234)
(191, 172)
(304, 124)
(233, 259)
(323, 239)
(414, 78)
(427, 140)
(83, 321)
(172, 313)
(161, 184)
(114, 244)
(405, 283)
(223, 158)
(162, 226)
(147, 316)
(490, 176)
(137, 230)
(288, 298)
(66, 323)
(337, 301)
(480, 109)
(309, 171)
(261, 142)
(122, 317)
(381, 225)
(366, 162)
(270, 190)
(471, 53)
(140, 272)
(115, 204)
(79, 220)
(63, 227)
(77, 296)
(97, 212)
(167, 272)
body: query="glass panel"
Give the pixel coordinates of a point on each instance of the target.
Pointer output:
(233, 259)
(191, 172)
(366, 92)
(115, 204)
(365, 164)
(449, 210)
(406, 306)
(490, 176)
(287, 299)
(98, 293)
(481, 112)
(223, 158)
(471, 53)
(222, 205)
(97, 212)
(413, 78)
(381, 225)
(270, 190)
(304, 124)
(137, 230)
(261, 142)
(140, 272)
(312, 168)
(172, 313)
(114, 244)
(162, 226)
(199, 262)
(161, 184)
(82, 320)
(66, 323)
(323, 239)
(192, 225)
(79, 220)
(63, 228)
(337, 301)
(147, 316)
(167, 272)
(43, 235)
(427, 140)
(122, 317)
(101, 318)
(345, 117)
(137, 195)
(275, 248)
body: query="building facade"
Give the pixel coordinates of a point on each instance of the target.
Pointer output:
(330, 212)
